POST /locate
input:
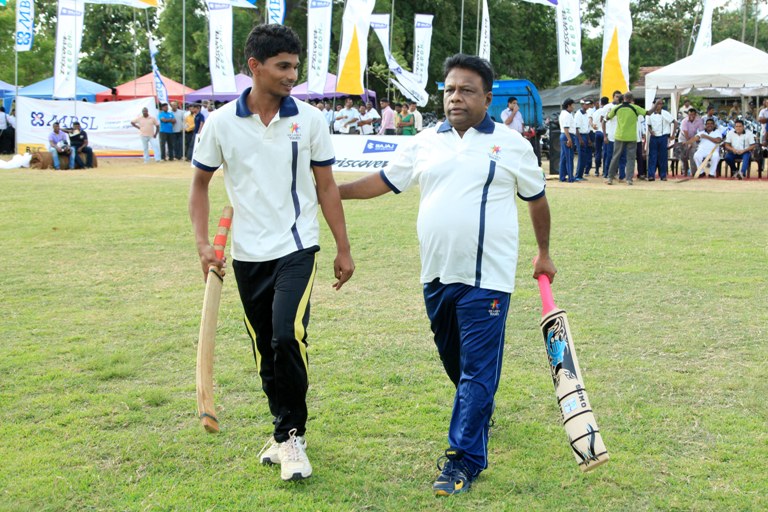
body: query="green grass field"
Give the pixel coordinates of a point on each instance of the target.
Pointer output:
(665, 287)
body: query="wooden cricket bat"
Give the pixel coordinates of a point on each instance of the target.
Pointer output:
(207, 339)
(578, 419)
(702, 167)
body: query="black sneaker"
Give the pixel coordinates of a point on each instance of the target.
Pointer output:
(454, 477)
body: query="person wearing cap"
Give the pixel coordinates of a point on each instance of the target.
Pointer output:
(583, 145)
(78, 139)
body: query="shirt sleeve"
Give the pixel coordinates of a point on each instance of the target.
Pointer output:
(207, 153)
(400, 174)
(321, 152)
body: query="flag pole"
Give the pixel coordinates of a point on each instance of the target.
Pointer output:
(477, 29)
(461, 29)
(183, 72)
(389, 71)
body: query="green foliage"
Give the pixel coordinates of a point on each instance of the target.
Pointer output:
(101, 309)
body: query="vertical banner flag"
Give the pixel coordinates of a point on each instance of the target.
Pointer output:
(551, 3)
(25, 24)
(220, 46)
(422, 43)
(484, 50)
(568, 39)
(406, 82)
(353, 55)
(617, 24)
(704, 37)
(276, 11)
(319, 44)
(69, 35)
(139, 4)
(160, 91)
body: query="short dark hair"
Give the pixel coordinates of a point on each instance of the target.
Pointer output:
(710, 120)
(511, 99)
(472, 63)
(693, 110)
(604, 100)
(266, 41)
(567, 103)
(738, 121)
(616, 92)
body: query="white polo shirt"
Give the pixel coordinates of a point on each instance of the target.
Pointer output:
(739, 142)
(567, 121)
(661, 123)
(467, 223)
(596, 117)
(268, 174)
(581, 122)
(610, 124)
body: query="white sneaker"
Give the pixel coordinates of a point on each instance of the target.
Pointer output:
(270, 453)
(294, 464)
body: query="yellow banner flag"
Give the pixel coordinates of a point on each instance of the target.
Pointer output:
(353, 56)
(618, 29)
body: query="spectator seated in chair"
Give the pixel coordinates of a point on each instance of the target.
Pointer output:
(739, 145)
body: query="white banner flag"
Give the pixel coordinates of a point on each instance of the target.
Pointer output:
(107, 124)
(569, 39)
(484, 51)
(319, 44)
(353, 55)
(406, 82)
(139, 4)
(69, 34)
(422, 44)
(25, 25)
(276, 11)
(551, 3)
(617, 26)
(160, 90)
(220, 46)
(704, 37)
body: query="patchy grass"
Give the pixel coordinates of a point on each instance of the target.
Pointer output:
(664, 284)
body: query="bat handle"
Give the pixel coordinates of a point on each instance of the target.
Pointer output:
(545, 290)
(220, 240)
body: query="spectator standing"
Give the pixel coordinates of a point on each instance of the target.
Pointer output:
(581, 126)
(148, 128)
(368, 116)
(762, 118)
(178, 130)
(689, 127)
(406, 123)
(418, 120)
(349, 117)
(642, 163)
(626, 116)
(329, 115)
(7, 133)
(609, 129)
(661, 127)
(189, 132)
(199, 122)
(387, 118)
(511, 116)
(596, 120)
(567, 144)
(167, 120)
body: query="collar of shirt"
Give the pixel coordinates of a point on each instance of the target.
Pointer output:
(288, 106)
(484, 126)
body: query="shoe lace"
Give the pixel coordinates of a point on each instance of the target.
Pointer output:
(292, 446)
(451, 466)
(266, 446)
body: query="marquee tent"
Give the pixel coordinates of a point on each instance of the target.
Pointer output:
(329, 91)
(7, 93)
(144, 87)
(206, 93)
(728, 67)
(84, 89)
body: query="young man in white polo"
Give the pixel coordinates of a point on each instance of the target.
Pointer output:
(276, 155)
(469, 170)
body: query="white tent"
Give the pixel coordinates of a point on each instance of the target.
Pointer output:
(730, 67)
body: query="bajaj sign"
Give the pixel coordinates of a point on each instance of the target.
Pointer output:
(374, 146)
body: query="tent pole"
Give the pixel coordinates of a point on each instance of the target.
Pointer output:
(461, 29)
(16, 95)
(183, 71)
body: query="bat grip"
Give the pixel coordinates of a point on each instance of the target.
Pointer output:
(220, 240)
(545, 290)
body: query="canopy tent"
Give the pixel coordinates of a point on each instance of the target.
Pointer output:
(206, 93)
(7, 93)
(728, 67)
(84, 89)
(144, 87)
(329, 91)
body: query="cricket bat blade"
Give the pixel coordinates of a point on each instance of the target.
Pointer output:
(207, 339)
(578, 419)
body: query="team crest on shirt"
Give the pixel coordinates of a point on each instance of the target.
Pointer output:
(494, 310)
(495, 153)
(295, 132)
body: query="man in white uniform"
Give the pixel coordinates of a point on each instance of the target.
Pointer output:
(661, 126)
(348, 118)
(276, 155)
(468, 170)
(708, 140)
